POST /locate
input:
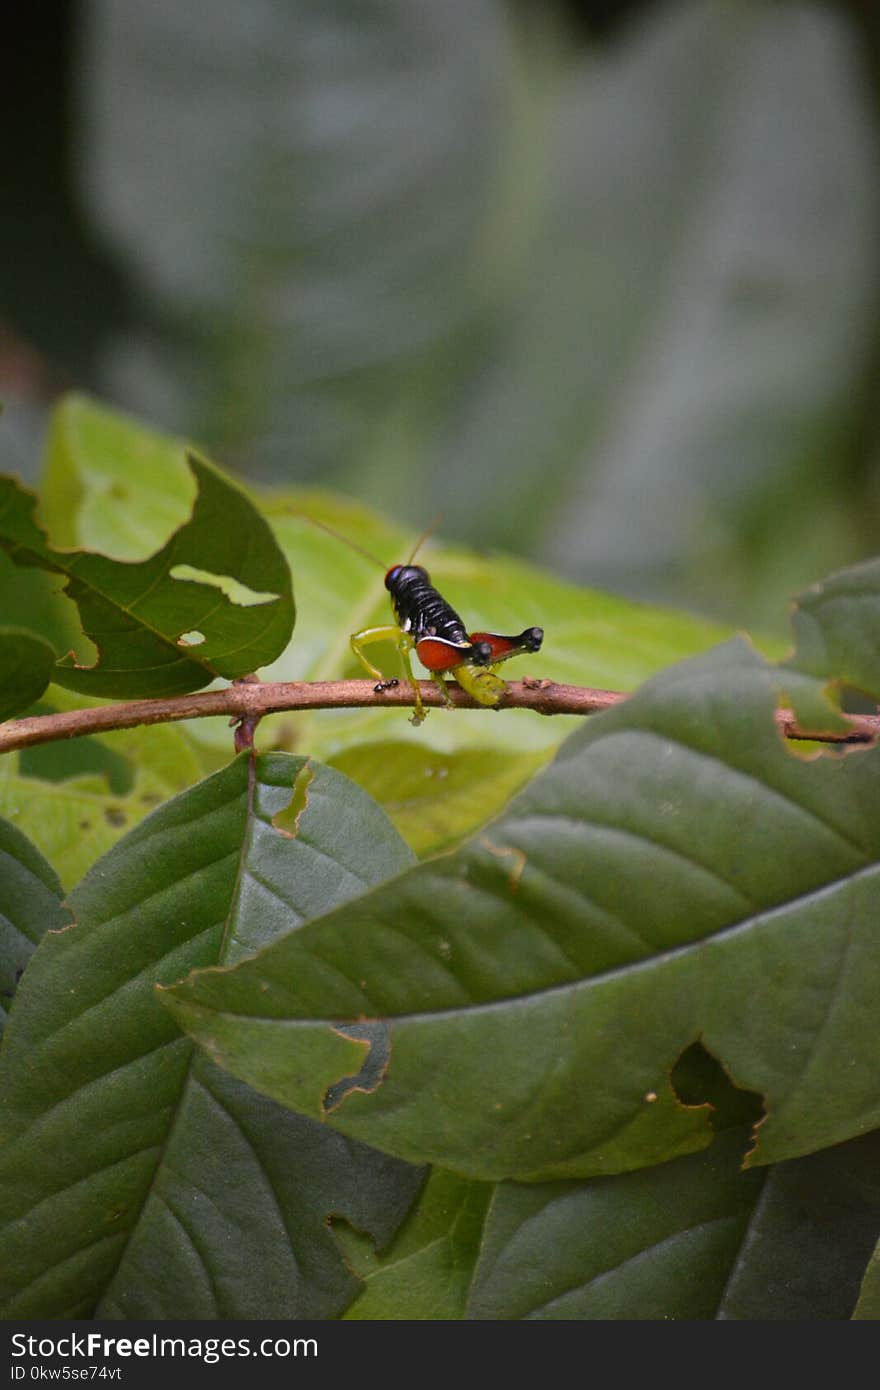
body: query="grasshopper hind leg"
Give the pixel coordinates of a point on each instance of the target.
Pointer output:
(481, 682)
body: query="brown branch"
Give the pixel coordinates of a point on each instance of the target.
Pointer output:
(250, 701)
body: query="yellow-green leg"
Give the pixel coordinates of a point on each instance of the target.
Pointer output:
(481, 682)
(404, 643)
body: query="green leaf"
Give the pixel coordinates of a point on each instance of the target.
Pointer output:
(659, 1243)
(75, 799)
(836, 623)
(137, 1179)
(110, 483)
(63, 760)
(435, 799)
(30, 904)
(25, 669)
(674, 875)
(810, 1237)
(428, 1271)
(653, 1244)
(215, 600)
(696, 1238)
(36, 599)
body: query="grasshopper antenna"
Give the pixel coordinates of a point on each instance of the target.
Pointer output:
(346, 540)
(424, 536)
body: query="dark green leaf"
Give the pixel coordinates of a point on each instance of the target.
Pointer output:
(810, 1237)
(694, 1238)
(33, 599)
(659, 1243)
(428, 1271)
(137, 1179)
(216, 600)
(30, 904)
(675, 874)
(25, 670)
(654, 1244)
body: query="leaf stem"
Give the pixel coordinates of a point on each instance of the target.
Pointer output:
(251, 701)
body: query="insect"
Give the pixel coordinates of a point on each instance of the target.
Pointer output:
(429, 626)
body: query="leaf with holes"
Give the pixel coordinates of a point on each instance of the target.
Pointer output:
(215, 600)
(836, 624)
(137, 1179)
(451, 775)
(675, 874)
(30, 905)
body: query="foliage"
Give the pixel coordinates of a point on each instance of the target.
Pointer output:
(605, 1049)
(635, 279)
(185, 615)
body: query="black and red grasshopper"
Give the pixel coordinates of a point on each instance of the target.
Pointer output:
(429, 626)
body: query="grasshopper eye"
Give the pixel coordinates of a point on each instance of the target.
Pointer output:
(392, 576)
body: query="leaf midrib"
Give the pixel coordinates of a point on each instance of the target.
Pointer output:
(661, 960)
(190, 1080)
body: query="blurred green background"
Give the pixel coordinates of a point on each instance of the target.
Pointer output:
(598, 282)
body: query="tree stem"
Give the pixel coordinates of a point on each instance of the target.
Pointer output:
(244, 700)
